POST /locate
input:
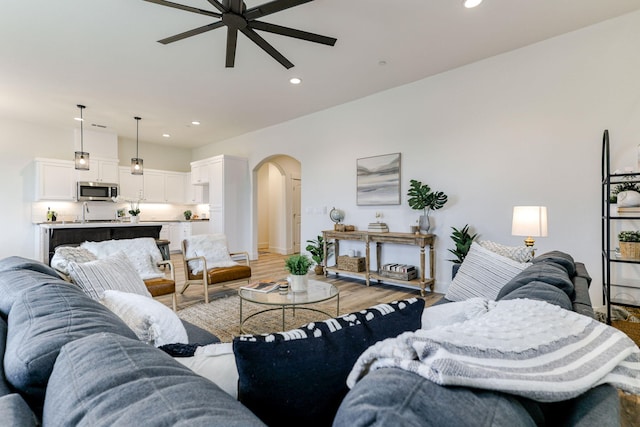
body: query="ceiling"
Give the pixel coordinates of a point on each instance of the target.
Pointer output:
(104, 54)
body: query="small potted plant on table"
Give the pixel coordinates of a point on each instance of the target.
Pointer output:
(298, 265)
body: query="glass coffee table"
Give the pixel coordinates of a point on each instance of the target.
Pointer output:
(317, 292)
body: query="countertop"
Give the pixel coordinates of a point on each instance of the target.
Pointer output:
(95, 224)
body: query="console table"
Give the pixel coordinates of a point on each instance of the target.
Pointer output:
(420, 240)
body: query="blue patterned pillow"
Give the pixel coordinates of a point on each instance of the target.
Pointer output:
(299, 377)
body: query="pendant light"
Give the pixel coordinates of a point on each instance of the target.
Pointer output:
(136, 162)
(81, 157)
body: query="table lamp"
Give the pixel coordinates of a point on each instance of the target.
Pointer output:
(529, 221)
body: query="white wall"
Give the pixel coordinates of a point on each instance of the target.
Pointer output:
(520, 128)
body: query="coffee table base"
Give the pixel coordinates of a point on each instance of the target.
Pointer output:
(283, 308)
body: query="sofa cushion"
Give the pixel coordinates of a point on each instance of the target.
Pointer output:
(14, 282)
(395, 397)
(112, 272)
(540, 291)
(41, 321)
(482, 274)
(298, 377)
(20, 263)
(15, 412)
(153, 322)
(560, 258)
(550, 273)
(4, 386)
(135, 384)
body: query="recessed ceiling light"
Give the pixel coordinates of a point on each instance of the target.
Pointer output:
(166, 135)
(382, 63)
(295, 80)
(471, 3)
(195, 122)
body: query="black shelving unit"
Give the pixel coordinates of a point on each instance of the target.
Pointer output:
(609, 257)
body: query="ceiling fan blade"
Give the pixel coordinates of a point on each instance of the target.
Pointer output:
(290, 32)
(218, 5)
(232, 42)
(183, 7)
(190, 33)
(255, 37)
(272, 7)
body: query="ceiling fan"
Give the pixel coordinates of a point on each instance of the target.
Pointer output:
(234, 15)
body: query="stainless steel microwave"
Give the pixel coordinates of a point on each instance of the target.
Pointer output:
(93, 191)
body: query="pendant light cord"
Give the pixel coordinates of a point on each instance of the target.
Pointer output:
(137, 130)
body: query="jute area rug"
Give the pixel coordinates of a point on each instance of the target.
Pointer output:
(221, 317)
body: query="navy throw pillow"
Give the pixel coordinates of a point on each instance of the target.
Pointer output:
(299, 377)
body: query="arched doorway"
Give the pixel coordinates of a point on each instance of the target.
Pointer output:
(277, 187)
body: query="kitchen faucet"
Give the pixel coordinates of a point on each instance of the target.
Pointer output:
(85, 210)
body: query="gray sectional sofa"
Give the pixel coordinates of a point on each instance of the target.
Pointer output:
(70, 361)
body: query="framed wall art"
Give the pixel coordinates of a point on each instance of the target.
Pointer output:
(378, 180)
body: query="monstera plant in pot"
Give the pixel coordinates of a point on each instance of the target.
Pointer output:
(422, 198)
(298, 265)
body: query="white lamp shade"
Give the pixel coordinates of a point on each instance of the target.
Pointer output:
(530, 221)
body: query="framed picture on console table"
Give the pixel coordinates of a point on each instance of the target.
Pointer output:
(378, 181)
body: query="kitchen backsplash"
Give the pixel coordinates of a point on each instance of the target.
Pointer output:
(72, 211)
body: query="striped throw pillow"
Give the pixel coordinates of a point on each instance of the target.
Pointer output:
(482, 274)
(114, 272)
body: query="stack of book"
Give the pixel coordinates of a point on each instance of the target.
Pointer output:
(268, 285)
(631, 210)
(378, 227)
(399, 271)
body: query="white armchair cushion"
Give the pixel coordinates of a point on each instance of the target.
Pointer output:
(142, 252)
(213, 247)
(152, 321)
(66, 254)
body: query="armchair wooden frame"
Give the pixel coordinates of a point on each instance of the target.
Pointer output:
(164, 285)
(217, 275)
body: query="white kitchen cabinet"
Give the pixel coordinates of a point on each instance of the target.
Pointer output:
(195, 194)
(100, 170)
(229, 200)
(200, 172)
(163, 186)
(176, 234)
(55, 180)
(131, 186)
(174, 187)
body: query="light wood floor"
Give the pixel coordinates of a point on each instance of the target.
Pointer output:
(354, 294)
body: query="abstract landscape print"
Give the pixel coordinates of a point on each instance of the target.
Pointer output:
(379, 180)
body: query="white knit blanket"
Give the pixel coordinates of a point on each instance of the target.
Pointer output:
(522, 347)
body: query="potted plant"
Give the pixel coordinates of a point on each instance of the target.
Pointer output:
(298, 265)
(422, 198)
(462, 239)
(629, 244)
(187, 214)
(316, 249)
(622, 187)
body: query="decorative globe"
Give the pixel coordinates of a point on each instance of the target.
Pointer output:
(336, 215)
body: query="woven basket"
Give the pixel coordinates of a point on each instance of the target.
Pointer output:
(630, 250)
(348, 263)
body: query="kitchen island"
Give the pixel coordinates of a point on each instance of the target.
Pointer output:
(56, 234)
